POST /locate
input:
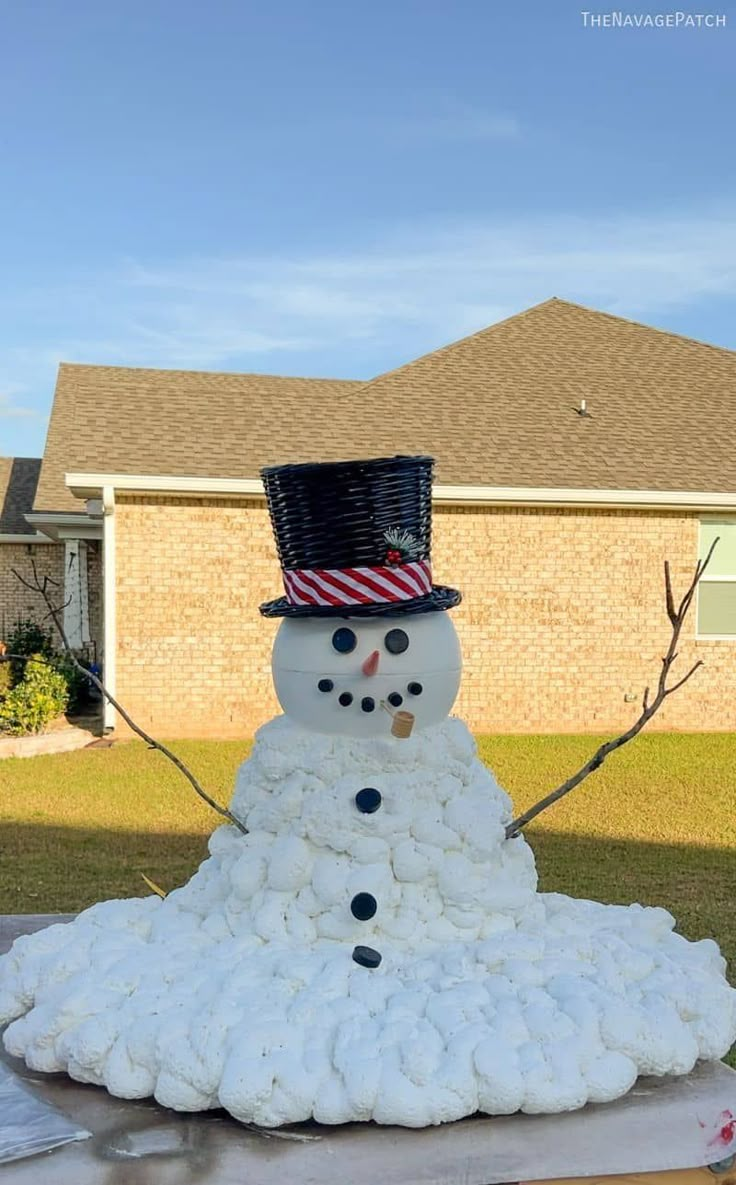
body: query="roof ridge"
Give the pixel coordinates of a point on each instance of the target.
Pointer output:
(535, 308)
(461, 341)
(236, 374)
(684, 337)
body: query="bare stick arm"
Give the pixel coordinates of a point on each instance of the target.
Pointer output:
(677, 618)
(54, 611)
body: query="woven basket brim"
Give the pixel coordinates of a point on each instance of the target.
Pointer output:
(439, 598)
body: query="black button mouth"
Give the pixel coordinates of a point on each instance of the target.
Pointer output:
(345, 699)
(368, 704)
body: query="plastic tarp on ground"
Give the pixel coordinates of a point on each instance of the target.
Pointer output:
(28, 1125)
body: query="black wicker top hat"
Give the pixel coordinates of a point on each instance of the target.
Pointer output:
(354, 537)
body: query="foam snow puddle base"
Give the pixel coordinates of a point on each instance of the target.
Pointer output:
(239, 990)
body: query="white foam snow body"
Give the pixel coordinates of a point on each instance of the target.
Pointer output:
(239, 990)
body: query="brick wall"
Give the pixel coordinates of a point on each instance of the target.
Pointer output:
(193, 654)
(562, 618)
(16, 602)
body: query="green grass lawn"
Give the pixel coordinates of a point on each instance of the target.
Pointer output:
(656, 825)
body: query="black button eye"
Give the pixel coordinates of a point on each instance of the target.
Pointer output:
(344, 640)
(396, 641)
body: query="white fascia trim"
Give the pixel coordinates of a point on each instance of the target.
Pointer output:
(89, 485)
(692, 500)
(67, 519)
(7, 537)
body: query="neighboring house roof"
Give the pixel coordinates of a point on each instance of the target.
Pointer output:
(177, 422)
(498, 408)
(18, 481)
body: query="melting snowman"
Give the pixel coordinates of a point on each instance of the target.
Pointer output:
(374, 948)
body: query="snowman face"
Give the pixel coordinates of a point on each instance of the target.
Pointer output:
(331, 674)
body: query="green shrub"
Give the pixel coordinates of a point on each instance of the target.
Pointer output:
(77, 685)
(27, 637)
(5, 678)
(39, 698)
(30, 638)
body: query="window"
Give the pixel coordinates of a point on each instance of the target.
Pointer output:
(717, 589)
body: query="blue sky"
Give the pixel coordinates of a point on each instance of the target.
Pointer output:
(332, 189)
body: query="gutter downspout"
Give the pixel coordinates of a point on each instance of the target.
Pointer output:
(110, 607)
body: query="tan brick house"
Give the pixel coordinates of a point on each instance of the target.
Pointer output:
(575, 452)
(68, 552)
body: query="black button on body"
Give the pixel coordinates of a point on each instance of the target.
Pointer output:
(325, 685)
(363, 906)
(415, 689)
(395, 699)
(345, 699)
(367, 703)
(368, 800)
(366, 956)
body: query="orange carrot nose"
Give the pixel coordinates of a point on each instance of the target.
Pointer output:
(370, 666)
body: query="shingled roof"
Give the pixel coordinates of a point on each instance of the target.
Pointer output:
(183, 423)
(499, 408)
(18, 481)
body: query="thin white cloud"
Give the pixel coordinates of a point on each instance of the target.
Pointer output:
(419, 119)
(10, 410)
(354, 313)
(434, 284)
(457, 122)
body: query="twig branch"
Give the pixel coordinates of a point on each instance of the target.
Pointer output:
(54, 613)
(648, 707)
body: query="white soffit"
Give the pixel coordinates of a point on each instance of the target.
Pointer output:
(8, 537)
(64, 526)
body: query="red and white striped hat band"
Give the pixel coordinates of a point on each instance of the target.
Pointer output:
(358, 586)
